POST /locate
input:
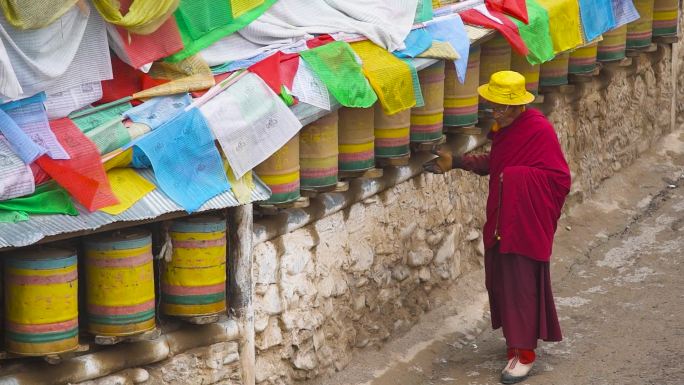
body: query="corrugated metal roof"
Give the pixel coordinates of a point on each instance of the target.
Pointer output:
(151, 206)
(157, 203)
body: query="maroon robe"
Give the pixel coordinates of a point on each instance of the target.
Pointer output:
(529, 180)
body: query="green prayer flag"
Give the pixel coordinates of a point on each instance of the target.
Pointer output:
(87, 121)
(203, 22)
(13, 216)
(48, 198)
(335, 63)
(423, 11)
(417, 92)
(536, 34)
(109, 136)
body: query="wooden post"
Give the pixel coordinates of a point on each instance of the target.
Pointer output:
(241, 287)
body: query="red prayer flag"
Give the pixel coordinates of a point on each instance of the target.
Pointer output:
(515, 8)
(319, 41)
(83, 176)
(277, 70)
(143, 49)
(508, 29)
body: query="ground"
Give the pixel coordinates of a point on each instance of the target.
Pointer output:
(619, 286)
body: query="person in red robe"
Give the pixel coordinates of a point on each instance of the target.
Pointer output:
(529, 180)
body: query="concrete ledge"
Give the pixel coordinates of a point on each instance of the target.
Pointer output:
(114, 359)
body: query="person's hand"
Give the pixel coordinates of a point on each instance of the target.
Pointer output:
(442, 163)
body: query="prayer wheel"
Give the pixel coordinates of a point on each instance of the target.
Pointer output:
(120, 283)
(194, 280)
(555, 72)
(665, 16)
(356, 139)
(280, 172)
(583, 60)
(392, 133)
(318, 152)
(640, 31)
(520, 64)
(613, 45)
(495, 56)
(427, 121)
(461, 100)
(41, 301)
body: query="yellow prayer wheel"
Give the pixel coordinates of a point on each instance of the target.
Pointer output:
(520, 64)
(555, 72)
(495, 56)
(583, 60)
(280, 172)
(665, 16)
(613, 45)
(41, 301)
(318, 152)
(461, 100)
(356, 139)
(120, 283)
(392, 133)
(194, 280)
(640, 31)
(427, 121)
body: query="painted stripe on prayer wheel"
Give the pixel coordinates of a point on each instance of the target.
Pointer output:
(520, 64)
(665, 16)
(318, 152)
(427, 121)
(461, 100)
(41, 301)
(194, 280)
(120, 283)
(555, 72)
(495, 56)
(613, 45)
(583, 60)
(640, 31)
(356, 138)
(392, 133)
(280, 172)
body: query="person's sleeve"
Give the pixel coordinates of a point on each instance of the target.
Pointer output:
(479, 164)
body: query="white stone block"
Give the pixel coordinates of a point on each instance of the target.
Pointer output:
(420, 257)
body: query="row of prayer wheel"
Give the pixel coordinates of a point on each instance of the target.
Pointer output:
(42, 285)
(352, 139)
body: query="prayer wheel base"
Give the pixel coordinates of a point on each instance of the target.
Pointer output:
(273, 209)
(50, 358)
(427, 146)
(373, 173)
(469, 130)
(584, 77)
(671, 39)
(636, 51)
(202, 319)
(393, 162)
(149, 335)
(312, 192)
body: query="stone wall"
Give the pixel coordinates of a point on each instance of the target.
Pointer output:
(361, 275)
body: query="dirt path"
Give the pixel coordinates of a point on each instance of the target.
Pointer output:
(618, 277)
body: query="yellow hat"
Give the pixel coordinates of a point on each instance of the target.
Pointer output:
(506, 87)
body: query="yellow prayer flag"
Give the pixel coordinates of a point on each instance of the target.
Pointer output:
(389, 76)
(122, 159)
(564, 24)
(143, 16)
(128, 187)
(440, 50)
(243, 187)
(240, 7)
(190, 74)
